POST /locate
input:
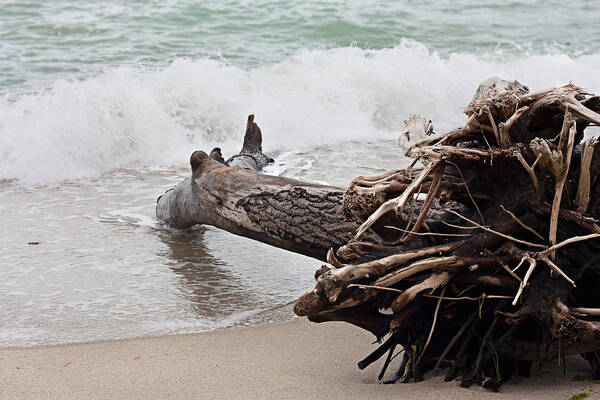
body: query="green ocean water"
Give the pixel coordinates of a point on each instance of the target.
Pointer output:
(42, 41)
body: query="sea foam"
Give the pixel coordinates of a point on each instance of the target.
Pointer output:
(138, 118)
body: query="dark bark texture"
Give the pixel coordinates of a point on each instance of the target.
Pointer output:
(287, 213)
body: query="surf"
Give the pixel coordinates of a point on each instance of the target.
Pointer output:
(143, 118)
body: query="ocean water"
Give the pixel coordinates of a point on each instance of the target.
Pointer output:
(101, 105)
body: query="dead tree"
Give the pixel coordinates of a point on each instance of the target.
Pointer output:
(486, 254)
(287, 213)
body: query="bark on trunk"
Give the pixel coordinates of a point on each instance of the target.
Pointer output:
(287, 213)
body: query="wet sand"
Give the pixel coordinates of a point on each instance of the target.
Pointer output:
(292, 360)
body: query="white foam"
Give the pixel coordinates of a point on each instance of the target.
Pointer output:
(148, 118)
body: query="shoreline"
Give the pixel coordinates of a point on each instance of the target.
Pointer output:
(248, 322)
(292, 359)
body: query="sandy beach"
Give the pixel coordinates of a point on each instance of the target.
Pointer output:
(292, 360)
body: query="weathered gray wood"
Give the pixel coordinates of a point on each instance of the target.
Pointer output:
(251, 156)
(288, 213)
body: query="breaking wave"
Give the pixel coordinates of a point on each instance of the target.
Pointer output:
(140, 118)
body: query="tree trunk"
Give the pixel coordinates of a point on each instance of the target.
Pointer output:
(287, 213)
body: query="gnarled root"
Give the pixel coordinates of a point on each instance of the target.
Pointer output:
(496, 266)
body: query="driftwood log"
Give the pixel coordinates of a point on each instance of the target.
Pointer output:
(485, 256)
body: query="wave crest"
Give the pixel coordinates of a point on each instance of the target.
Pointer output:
(129, 117)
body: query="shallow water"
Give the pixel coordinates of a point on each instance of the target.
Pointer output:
(87, 260)
(102, 104)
